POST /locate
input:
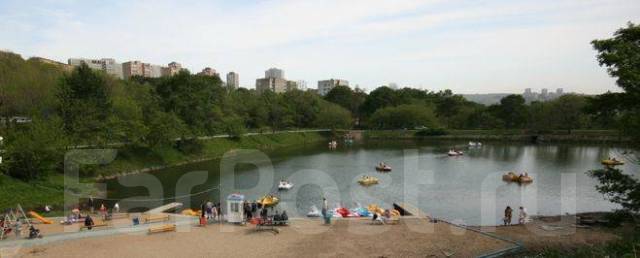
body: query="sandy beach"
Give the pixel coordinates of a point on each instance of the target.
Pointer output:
(412, 237)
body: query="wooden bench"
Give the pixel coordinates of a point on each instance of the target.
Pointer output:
(163, 228)
(96, 225)
(155, 218)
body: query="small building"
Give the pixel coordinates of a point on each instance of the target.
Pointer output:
(235, 208)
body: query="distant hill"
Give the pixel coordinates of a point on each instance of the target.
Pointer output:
(27, 85)
(486, 99)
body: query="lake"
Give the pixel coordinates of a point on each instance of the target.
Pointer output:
(466, 189)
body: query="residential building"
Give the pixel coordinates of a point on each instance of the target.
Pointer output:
(277, 85)
(108, 65)
(274, 73)
(208, 71)
(292, 85)
(172, 69)
(233, 80)
(302, 85)
(138, 68)
(327, 85)
(544, 94)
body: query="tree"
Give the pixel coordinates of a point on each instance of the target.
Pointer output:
(513, 111)
(404, 116)
(568, 112)
(379, 98)
(333, 116)
(619, 188)
(621, 56)
(84, 105)
(192, 99)
(35, 151)
(341, 95)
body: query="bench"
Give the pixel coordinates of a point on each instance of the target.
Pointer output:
(163, 228)
(155, 218)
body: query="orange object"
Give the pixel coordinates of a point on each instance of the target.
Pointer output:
(40, 218)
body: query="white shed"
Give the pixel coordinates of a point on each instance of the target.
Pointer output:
(235, 208)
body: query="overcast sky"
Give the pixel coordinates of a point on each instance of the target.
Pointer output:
(466, 46)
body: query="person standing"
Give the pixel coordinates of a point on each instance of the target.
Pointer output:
(325, 211)
(103, 211)
(507, 216)
(91, 204)
(18, 228)
(522, 216)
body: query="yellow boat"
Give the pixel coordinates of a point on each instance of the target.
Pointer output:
(375, 209)
(511, 176)
(268, 200)
(368, 180)
(612, 162)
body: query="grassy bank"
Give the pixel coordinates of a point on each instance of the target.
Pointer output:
(507, 135)
(35, 194)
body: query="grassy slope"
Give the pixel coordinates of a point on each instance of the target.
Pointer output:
(38, 193)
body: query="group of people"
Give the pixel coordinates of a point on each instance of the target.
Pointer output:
(250, 208)
(522, 216)
(211, 211)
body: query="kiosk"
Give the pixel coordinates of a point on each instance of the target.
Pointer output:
(235, 208)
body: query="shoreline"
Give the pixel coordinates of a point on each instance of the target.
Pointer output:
(578, 136)
(410, 233)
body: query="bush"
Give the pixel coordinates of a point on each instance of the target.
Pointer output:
(431, 132)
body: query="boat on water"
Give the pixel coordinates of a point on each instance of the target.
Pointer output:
(513, 177)
(368, 180)
(383, 167)
(454, 153)
(475, 144)
(268, 201)
(314, 212)
(285, 185)
(612, 162)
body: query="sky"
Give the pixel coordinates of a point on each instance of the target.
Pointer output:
(475, 46)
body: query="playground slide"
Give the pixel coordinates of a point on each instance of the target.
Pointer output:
(40, 218)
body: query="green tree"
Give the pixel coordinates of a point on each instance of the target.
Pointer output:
(35, 151)
(404, 116)
(621, 56)
(333, 117)
(513, 111)
(568, 112)
(84, 105)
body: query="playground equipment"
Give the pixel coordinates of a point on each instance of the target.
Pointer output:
(40, 218)
(10, 221)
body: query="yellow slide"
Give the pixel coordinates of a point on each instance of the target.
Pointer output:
(40, 218)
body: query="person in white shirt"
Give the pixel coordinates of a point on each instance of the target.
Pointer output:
(522, 217)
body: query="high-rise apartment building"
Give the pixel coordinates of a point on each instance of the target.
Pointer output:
(233, 80)
(172, 69)
(137, 68)
(208, 71)
(327, 85)
(277, 85)
(274, 73)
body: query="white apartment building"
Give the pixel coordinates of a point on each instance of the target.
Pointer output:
(108, 65)
(233, 80)
(274, 73)
(327, 85)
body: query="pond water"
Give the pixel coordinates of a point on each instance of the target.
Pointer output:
(466, 189)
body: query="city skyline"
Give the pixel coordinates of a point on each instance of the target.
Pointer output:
(422, 44)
